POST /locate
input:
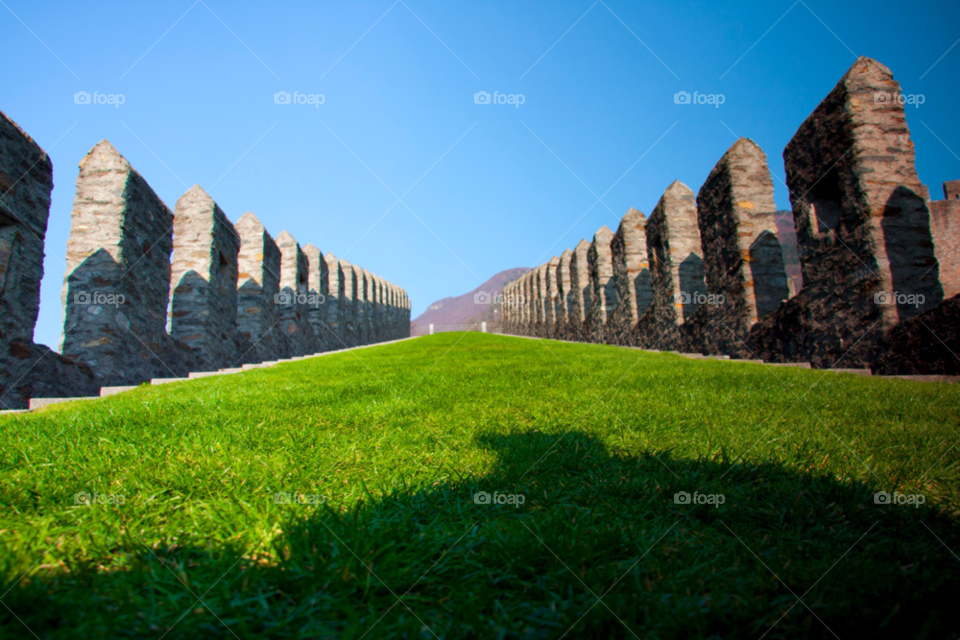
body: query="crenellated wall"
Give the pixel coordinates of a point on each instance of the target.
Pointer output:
(706, 274)
(234, 294)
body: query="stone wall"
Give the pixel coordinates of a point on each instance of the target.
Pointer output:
(203, 283)
(26, 368)
(232, 294)
(877, 256)
(117, 282)
(603, 292)
(631, 278)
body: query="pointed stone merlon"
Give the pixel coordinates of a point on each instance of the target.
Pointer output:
(258, 316)
(348, 311)
(945, 228)
(564, 293)
(327, 323)
(117, 280)
(631, 275)
(676, 258)
(580, 285)
(26, 181)
(743, 261)
(552, 295)
(27, 370)
(603, 293)
(203, 281)
(858, 204)
(294, 300)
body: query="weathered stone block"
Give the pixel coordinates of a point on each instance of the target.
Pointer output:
(551, 297)
(348, 303)
(676, 268)
(294, 300)
(631, 278)
(603, 292)
(203, 278)
(863, 227)
(564, 296)
(332, 289)
(117, 282)
(743, 261)
(945, 229)
(258, 316)
(580, 289)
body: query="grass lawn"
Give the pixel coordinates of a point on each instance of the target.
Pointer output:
(337, 497)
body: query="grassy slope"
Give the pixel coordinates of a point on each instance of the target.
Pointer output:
(200, 547)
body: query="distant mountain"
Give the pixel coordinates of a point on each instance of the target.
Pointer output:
(465, 309)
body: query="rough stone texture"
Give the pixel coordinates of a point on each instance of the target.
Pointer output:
(945, 229)
(564, 296)
(203, 283)
(743, 261)
(332, 290)
(926, 344)
(631, 278)
(863, 227)
(551, 299)
(374, 320)
(529, 310)
(294, 301)
(318, 287)
(580, 288)
(361, 306)
(348, 307)
(787, 234)
(676, 268)
(27, 370)
(117, 281)
(258, 316)
(603, 292)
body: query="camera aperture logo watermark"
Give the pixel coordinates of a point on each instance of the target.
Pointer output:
(482, 97)
(483, 497)
(98, 299)
(116, 99)
(716, 99)
(484, 297)
(86, 499)
(296, 497)
(282, 97)
(289, 298)
(712, 299)
(683, 497)
(911, 499)
(885, 97)
(886, 299)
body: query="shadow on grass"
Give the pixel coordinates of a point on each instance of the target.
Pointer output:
(594, 523)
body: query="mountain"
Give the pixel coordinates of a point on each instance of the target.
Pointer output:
(465, 309)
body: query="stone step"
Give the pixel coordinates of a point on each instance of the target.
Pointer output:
(109, 391)
(157, 381)
(38, 403)
(802, 365)
(859, 372)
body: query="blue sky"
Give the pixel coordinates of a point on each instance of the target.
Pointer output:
(399, 170)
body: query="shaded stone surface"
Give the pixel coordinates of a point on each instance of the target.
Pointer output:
(603, 292)
(295, 301)
(564, 296)
(27, 370)
(332, 290)
(203, 279)
(580, 289)
(258, 316)
(551, 299)
(863, 227)
(926, 344)
(360, 306)
(676, 268)
(945, 229)
(117, 281)
(743, 261)
(631, 278)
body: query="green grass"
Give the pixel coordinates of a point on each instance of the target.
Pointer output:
(398, 439)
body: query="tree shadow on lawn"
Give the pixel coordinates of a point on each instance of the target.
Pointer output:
(598, 548)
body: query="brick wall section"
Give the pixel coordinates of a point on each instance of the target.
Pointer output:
(945, 229)
(117, 281)
(203, 282)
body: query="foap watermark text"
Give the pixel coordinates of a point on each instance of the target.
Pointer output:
(482, 97)
(716, 99)
(483, 497)
(282, 97)
(116, 99)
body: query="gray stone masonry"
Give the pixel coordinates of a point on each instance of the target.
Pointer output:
(631, 278)
(117, 281)
(603, 292)
(295, 301)
(203, 283)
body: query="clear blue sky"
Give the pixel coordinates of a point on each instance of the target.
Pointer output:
(483, 187)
